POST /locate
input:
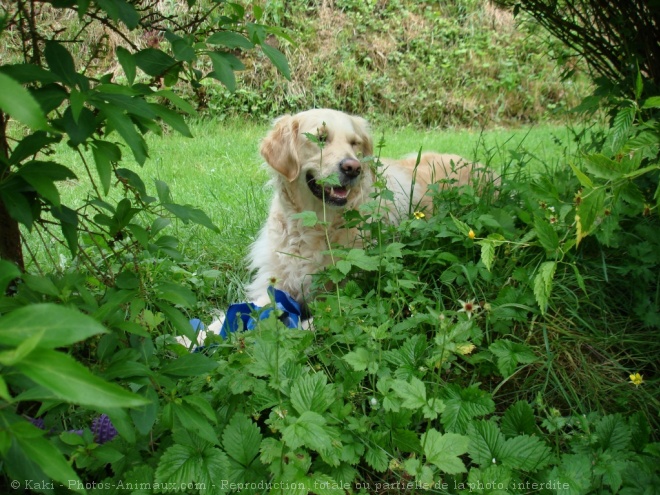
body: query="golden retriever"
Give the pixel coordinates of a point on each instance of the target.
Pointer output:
(318, 157)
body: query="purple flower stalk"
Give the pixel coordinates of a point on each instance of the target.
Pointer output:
(103, 429)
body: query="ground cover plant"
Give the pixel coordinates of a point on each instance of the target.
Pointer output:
(504, 344)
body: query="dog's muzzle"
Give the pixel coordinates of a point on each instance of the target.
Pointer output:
(350, 170)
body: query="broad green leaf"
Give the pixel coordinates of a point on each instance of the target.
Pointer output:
(154, 62)
(510, 354)
(486, 442)
(652, 102)
(357, 257)
(181, 465)
(377, 458)
(242, 439)
(359, 359)
(176, 294)
(621, 126)
(278, 59)
(519, 420)
(121, 10)
(230, 40)
(582, 177)
(312, 393)
(222, 70)
(613, 433)
(269, 357)
(413, 394)
(525, 453)
(495, 480)
(60, 326)
(145, 416)
(443, 450)
(126, 129)
(192, 420)
(173, 119)
(43, 175)
(543, 284)
(462, 405)
(461, 226)
(30, 440)
(574, 474)
(487, 253)
(177, 101)
(177, 319)
(17, 101)
(30, 146)
(29, 73)
(189, 214)
(308, 430)
(309, 218)
(602, 167)
(105, 155)
(8, 272)
(195, 364)
(72, 382)
(127, 62)
(60, 61)
(546, 234)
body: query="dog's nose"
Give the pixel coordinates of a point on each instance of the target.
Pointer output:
(350, 167)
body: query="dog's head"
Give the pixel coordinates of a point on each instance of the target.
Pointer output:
(320, 152)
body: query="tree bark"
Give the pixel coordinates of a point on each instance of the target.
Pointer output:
(10, 235)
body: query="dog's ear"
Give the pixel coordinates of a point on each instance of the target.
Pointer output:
(279, 147)
(363, 130)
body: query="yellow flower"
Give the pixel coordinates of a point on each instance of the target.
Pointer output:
(419, 215)
(637, 379)
(465, 349)
(471, 234)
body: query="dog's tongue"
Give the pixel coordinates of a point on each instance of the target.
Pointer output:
(337, 192)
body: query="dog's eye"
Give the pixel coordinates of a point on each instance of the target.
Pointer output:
(355, 142)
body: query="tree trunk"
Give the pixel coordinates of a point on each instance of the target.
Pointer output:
(10, 235)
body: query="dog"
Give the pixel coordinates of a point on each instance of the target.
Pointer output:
(320, 160)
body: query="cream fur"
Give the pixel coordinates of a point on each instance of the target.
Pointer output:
(287, 254)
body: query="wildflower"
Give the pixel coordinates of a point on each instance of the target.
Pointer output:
(103, 429)
(471, 234)
(373, 402)
(467, 307)
(465, 349)
(637, 379)
(419, 215)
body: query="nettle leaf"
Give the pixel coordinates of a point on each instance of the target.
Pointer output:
(359, 359)
(308, 430)
(519, 420)
(194, 421)
(543, 284)
(526, 453)
(462, 405)
(488, 447)
(546, 234)
(589, 210)
(17, 101)
(444, 450)
(621, 126)
(359, 258)
(312, 393)
(510, 354)
(413, 393)
(487, 253)
(58, 326)
(376, 457)
(309, 218)
(184, 464)
(498, 478)
(613, 433)
(72, 382)
(241, 440)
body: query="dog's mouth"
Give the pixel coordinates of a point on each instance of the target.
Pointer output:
(332, 195)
